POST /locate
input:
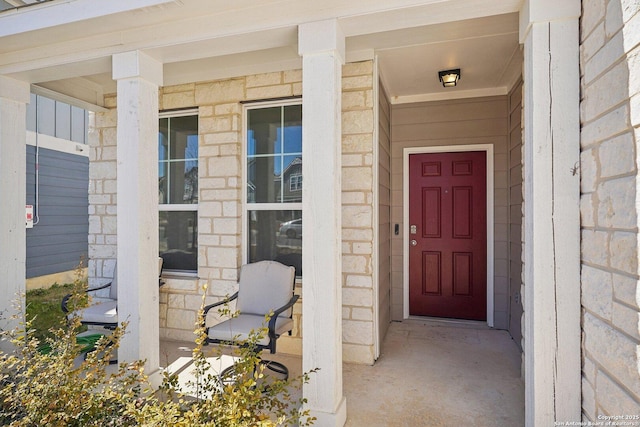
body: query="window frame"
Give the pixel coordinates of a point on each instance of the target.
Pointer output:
(182, 207)
(254, 206)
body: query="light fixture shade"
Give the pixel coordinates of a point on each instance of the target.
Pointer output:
(449, 78)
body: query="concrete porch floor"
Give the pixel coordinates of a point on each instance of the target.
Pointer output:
(430, 373)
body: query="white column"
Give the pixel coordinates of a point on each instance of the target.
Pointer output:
(138, 77)
(14, 95)
(321, 45)
(549, 31)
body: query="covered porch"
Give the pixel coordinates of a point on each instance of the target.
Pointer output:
(351, 68)
(430, 372)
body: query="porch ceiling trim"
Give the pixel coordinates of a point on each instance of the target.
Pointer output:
(426, 97)
(39, 90)
(51, 14)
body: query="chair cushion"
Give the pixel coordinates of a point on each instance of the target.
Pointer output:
(100, 312)
(238, 328)
(113, 289)
(265, 286)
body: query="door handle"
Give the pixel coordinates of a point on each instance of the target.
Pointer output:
(414, 242)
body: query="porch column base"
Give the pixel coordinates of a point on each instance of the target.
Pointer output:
(155, 378)
(331, 419)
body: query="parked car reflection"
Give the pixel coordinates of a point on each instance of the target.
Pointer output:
(289, 237)
(292, 229)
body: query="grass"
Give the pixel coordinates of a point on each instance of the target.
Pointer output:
(44, 310)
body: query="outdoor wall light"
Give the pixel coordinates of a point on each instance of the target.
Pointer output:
(449, 78)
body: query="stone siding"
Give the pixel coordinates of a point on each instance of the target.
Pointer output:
(102, 194)
(357, 212)
(609, 139)
(220, 207)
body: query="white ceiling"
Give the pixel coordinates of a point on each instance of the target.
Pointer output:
(412, 39)
(485, 49)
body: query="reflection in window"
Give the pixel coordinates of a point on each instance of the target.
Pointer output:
(178, 192)
(276, 235)
(56, 118)
(178, 160)
(295, 183)
(179, 240)
(274, 184)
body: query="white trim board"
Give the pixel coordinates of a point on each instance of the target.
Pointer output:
(57, 144)
(488, 148)
(376, 211)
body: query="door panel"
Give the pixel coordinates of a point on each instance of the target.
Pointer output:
(431, 224)
(431, 272)
(462, 272)
(448, 236)
(462, 212)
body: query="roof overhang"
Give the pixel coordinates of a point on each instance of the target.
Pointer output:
(67, 45)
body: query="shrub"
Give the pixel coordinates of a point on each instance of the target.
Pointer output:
(248, 398)
(51, 388)
(54, 389)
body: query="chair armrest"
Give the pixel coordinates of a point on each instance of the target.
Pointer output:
(65, 299)
(206, 309)
(64, 302)
(106, 285)
(219, 303)
(276, 313)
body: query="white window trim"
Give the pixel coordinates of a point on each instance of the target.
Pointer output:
(246, 206)
(178, 113)
(184, 207)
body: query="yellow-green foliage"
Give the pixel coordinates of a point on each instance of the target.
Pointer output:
(52, 389)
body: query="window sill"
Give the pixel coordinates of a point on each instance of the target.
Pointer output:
(179, 275)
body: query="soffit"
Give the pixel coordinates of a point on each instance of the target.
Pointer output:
(208, 39)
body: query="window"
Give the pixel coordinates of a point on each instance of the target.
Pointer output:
(274, 184)
(59, 119)
(295, 183)
(178, 191)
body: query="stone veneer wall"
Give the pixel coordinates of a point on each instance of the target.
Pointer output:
(610, 116)
(220, 206)
(102, 193)
(357, 211)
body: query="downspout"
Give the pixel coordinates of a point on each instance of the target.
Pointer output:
(36, 216)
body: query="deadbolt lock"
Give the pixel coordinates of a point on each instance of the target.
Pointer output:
(414, 229)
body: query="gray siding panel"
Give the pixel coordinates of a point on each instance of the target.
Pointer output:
(59, 240)
(515, 214)
(384, 213)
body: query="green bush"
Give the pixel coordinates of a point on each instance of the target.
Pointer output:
(51, 388)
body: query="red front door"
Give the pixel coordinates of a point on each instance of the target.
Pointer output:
(448, 235)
